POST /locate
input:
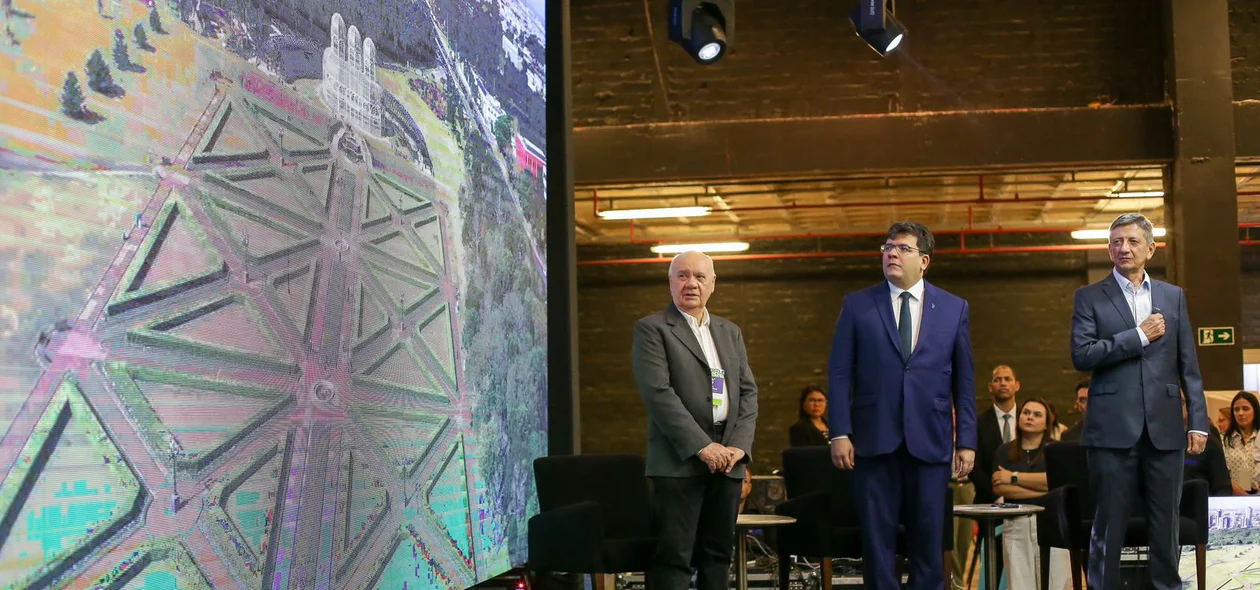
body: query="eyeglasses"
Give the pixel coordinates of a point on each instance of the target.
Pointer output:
(902, 248)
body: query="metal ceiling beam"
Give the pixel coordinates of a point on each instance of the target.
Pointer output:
(1009, 138)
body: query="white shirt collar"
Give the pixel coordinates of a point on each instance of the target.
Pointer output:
(693, 322)
(916, 290)
(1125, 284)
(1000, 413)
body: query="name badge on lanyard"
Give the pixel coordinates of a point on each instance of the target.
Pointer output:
(717, 382)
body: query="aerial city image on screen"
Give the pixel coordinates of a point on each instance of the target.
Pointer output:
(272, 291)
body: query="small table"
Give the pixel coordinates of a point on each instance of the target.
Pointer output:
(744, 523)
(987, 515)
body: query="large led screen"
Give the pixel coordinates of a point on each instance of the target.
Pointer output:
(272, 291)
(1233, 545)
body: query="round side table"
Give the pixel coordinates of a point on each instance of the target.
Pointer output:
(743, 524)
(987, 516)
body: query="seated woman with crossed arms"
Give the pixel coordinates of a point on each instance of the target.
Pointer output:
(1019, 476)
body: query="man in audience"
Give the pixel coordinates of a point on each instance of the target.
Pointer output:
(994, 426)
(1073, 434)
(692, 371)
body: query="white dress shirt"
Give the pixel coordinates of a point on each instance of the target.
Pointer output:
(916, 308)
(1139, 301)
(701, 329)
(1001, 418)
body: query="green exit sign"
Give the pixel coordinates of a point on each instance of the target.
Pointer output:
(1216, 336)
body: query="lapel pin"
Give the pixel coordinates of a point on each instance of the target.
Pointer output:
(932, 306)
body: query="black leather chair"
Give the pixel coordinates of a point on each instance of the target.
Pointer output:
(820, 497)
(1069, 514)
(595, 516)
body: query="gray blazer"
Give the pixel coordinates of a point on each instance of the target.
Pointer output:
(673, 379)
(1132, 386)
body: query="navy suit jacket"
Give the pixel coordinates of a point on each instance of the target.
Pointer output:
(1134, 387)
(879, 401)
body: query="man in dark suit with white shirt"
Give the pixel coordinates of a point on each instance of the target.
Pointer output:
(692, 372)
(903, 408)
(994, 426)
(1133, 333)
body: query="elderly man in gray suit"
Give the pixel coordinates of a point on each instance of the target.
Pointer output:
(1134, 334)
(692, 372)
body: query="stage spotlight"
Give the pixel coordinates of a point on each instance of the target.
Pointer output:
(705, 28)
(876, 24)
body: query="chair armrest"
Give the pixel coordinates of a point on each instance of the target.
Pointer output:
(808, 505)
(811, 533)
(1194, 505)
(567, 539)
(1059, 525)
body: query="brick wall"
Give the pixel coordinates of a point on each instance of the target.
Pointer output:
(1021, 309)
(802, 58)
(1249, 331)
(1244, 47)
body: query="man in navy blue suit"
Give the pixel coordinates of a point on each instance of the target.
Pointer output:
(900, 371)
(1134, 334)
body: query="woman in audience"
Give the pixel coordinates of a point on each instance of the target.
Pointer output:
(1222, 423)
(1019, 476)
(1240, 443)
(811, 429)
(744, 490)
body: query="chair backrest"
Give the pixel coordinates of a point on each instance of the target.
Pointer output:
(617, 482)
(809, 469)
(1067, 463)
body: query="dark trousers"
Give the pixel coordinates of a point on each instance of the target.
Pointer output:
(695, 525)
(893, 489)
(1117, 476)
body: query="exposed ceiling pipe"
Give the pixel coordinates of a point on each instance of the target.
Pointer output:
(863, 253)
(991, 249)
(705, 189)
(979, 200)
(796, 180)
(725, 193)
(924, 203)
(832, 235)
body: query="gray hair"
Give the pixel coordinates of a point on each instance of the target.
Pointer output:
(1139, 220)
(674, 261)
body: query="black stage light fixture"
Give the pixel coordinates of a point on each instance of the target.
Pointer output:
(705, 28)
(876, 24)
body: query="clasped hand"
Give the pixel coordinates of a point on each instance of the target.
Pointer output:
(719, 458)
(1153, 326)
